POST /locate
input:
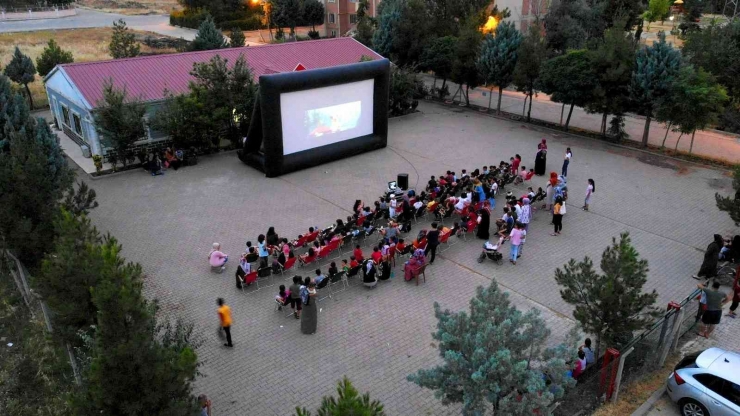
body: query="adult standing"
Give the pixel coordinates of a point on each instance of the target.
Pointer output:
(432, 242)
(310, 314)
(224, 316)
(590, 189)
(735, 294)
(713, 314)
(557, 216)
(550, 191)
(272, 237)
(708, 268)
(526, 216)
(540, 161)
(484, 223)
(262, 250)
(566, 161)
(205, 405)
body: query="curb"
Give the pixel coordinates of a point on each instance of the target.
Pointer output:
(650, 402)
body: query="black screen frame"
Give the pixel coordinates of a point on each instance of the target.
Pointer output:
(266, 132)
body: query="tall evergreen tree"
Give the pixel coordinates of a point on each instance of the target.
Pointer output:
(439, 57)
(656, 67)
(611, 305)
(570, 24)
(365, 24)
(389, 17)
(22, 71)
(52, 56)
(314, 12)
(402, 32)
(286, 13)
(237, 38)
(569, 79)
(120, 120)
(498, 57)
(208, 37)
(349, 403)
(123, 43)
(532, 53)
(465, 69)
(495, 357)
(730, 204)
(613, 59)
(136, 368)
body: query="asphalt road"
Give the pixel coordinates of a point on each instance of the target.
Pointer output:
(90, 18)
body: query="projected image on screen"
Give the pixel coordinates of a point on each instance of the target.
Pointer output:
(323, 116)
(336, 118)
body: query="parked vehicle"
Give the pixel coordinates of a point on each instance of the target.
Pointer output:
(707, 383)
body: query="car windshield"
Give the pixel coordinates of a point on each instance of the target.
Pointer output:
(688, 361)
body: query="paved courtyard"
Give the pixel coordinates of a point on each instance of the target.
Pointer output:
(378, 337)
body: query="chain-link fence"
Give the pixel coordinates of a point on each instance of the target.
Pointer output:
(20, 276)
(591, 391)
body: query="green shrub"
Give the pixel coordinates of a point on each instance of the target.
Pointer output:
(188, 18)
(313, 34)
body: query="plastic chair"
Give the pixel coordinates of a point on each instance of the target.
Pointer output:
(352, 273)
(248, 280)
(321, 286)
(288, 264)
(392, 256)
(421, 271)
(264, 273)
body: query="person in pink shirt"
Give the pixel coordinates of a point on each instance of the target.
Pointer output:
(515, 238)
(216, 258)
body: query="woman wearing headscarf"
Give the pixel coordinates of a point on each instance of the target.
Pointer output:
(484, 222)
(540, 161)
(412, 266)
(526, 216)
(708, 268)
(478, 188)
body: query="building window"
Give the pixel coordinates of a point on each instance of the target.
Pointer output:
(353, 19)
(332, 1)
(331, 17)
(333, 33)
(78, 124)
(353, 1)
(65, 115)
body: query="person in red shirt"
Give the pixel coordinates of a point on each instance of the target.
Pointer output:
(358, 253)
(377, 255)
(516, 160)
(353, 262)
(401, 246)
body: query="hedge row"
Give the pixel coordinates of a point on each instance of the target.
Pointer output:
(188, 18)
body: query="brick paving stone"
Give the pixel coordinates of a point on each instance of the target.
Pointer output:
(377, 337)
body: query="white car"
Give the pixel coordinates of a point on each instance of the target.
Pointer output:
(707, 383)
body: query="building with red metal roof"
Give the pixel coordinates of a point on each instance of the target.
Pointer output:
(74, 90)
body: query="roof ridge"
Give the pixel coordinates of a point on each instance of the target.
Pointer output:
(210, 51)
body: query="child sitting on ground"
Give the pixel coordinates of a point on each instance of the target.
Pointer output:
(282, 298)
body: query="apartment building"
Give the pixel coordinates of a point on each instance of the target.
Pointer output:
(341, 15)
(524, 12)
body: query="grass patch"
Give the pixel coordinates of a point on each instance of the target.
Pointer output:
(132, 7)
(86, 45)
(635, 394)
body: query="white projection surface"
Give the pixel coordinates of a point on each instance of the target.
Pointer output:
(327, 115)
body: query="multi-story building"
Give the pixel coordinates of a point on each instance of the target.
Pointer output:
(524, 12)
(341, 15)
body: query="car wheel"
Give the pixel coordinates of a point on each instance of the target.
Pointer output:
(692, 408)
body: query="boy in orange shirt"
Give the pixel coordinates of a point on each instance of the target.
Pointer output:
(224, 315)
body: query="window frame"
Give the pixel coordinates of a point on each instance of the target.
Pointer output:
(74, 124)
(65, 116)
(353, 19)
(333, 33)
(332, 18)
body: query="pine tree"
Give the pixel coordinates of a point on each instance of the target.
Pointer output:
(729, 204)
(68, 273)
(34, 177)
(389, 17)
(137, 366)
(532, 53)
(613, 59)
(237, 38)
(314, 11)
(52, 56)
(656, 67)
(120, 120)
(569, 79)
(365, 26)
(498, 56)
(208, 37)
(123, 43)
(610, 305)
(495, 357)
(464, 69)
(22, 71)
(80, 200)
(439, 57)
(349, 403)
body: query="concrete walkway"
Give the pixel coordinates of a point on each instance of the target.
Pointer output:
(711, 143)
(90, 18)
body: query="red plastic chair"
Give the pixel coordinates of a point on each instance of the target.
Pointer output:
(288, 264)
(249, 279)
(392, 256)
(308, 260)
(311, 237)
(300, 242)
(471, 224)
(328, 249)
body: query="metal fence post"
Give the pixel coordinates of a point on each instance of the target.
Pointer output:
(677, 332)
(620, 369)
